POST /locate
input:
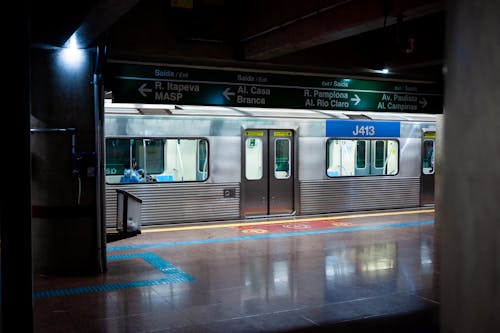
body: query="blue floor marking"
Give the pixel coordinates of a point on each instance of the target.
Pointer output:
(264, 236)
(174, 274)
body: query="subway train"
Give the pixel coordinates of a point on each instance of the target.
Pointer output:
(199, 164)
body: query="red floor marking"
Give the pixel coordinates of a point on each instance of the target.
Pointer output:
(293, 226)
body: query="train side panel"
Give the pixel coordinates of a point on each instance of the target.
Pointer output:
(219, 196)
(322, 194)
(177, 202)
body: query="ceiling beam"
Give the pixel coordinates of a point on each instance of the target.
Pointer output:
(102, 15)
(346, 19)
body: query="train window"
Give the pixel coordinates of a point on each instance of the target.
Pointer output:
(202, 156)
(118, 153)
(362, 157)
(428, 157)
(361, 154)
(152, 155)
(341, 157)
(282, 158)
(182, 160)
(379, 154)
(156, 159)
(253, 160)
(392, 159)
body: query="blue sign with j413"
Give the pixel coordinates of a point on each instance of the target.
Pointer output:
(362, 129)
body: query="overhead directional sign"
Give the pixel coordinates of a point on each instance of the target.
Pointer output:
(162, 84)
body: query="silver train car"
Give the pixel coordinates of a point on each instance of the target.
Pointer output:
(202, 164)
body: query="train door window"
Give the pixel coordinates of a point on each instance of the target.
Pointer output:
(428, 157)
(282, 158)
(254, 159)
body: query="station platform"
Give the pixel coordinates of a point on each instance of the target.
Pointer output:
(353, 272)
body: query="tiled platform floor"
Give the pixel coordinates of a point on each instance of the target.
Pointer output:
(345, 273)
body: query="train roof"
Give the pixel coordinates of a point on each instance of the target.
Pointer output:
(252, 112)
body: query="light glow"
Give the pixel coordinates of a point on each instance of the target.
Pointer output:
(71, 55)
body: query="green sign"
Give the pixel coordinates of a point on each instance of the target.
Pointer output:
(162, 84)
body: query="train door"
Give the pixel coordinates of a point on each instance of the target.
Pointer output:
(267, 175)
(428, 162)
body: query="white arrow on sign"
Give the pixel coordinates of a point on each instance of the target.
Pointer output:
(356, 99)
(423, 102)
(228, 93)
(143, 90)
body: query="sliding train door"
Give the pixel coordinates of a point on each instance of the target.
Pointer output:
(267, 176)
(428, 168)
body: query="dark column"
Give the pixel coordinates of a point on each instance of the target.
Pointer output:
(469, 204)
(66, 219)
(16, 272)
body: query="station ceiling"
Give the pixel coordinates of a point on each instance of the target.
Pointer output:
(345, 36)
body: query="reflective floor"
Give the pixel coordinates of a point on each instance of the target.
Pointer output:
(371, 272)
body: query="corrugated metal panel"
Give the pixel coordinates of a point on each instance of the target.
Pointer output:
(178, 203)
(363, 193)
(119, 125)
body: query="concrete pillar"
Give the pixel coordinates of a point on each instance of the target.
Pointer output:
(15, 206)
(66, 229)
(468, 204)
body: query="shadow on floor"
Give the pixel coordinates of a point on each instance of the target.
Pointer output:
(116, 236)
(425, 321)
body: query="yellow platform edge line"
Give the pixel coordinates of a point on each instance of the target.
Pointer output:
(225, 225)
